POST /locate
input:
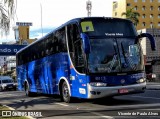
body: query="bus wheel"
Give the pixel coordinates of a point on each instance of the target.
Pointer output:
(65, 93)
(28, 93)
(1, 89)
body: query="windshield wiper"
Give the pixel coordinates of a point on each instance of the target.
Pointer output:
(128, 59)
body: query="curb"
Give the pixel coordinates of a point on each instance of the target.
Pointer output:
(153, 87)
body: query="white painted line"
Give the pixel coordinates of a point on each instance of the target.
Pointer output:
(97, 114)
(101, 115)
(146, 97)
(152, 109)
(61, 104)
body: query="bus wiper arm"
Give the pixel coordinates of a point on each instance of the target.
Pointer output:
(123, 52)
(127, 59)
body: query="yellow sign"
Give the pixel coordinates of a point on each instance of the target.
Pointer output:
(87, 26)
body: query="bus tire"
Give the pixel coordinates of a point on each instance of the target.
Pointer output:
(27, 92)
(65, 93)
(1, 89)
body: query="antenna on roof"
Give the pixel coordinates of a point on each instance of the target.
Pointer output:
(89, 7)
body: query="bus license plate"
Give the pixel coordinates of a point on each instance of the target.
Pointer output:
(123, 91)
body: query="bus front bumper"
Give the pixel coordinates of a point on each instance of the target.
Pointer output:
(100, 92)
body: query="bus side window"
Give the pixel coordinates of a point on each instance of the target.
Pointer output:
(47, 46)
(42, 53)
(75, 48)
(60, 35)
(39, 51)
(70, 30)
(50, 45)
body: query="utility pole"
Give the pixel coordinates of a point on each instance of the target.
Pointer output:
(41, 20)
(89, 7)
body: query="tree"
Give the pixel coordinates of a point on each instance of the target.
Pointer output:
(131, 15)
(7, 10)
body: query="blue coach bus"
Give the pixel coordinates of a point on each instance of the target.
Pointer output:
(87, 58)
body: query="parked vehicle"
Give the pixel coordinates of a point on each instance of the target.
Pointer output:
(150, 77)
(7, 83)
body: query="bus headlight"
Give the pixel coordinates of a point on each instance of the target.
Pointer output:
(142, 80)
(98, 84)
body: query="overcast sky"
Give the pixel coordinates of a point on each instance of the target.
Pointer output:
(55, 13)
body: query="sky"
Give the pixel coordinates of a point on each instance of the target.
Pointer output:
(54, 13)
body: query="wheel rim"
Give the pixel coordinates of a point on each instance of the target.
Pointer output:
(65, 91)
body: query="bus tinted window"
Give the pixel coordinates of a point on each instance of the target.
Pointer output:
(108, 27)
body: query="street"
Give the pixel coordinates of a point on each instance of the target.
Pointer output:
(146, 105)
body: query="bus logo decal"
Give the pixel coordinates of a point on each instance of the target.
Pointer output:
(122, 81)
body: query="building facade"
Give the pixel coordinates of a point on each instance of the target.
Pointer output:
(149, 11)
(152, 58)
(8, 63)
(22, 32)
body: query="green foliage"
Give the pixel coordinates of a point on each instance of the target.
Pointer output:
(7, 10)
(131, 15)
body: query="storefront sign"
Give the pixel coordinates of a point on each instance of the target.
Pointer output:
(7, 50)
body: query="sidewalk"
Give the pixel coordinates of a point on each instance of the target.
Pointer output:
(153, 86)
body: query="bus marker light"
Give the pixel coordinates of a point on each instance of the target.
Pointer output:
(83, 84)
(71, 66)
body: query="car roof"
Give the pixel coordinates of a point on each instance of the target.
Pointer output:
(5, 77)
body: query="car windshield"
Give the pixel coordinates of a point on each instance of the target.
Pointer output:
(7, 81)
(114, 55)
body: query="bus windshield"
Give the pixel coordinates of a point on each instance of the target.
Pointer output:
(108, 27)
(110, 55)
(113, 47)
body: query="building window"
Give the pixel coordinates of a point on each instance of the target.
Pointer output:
(158, 0)
(151, 25)
(159, 8)
(143, 24)
(27, 33)
(159, 16)
(115, 14)
(151, 16)
(128, 4)
(143, 16)
(135, 0)
(158, 23)
(135, 8)
(143, 8)
(143, 0)
(151, 8)
(115, 6)
(151, 0)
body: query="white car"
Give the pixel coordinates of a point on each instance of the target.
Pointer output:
(7, 83)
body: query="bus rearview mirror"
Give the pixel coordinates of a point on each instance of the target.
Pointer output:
(150, 37)
(86, 43)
